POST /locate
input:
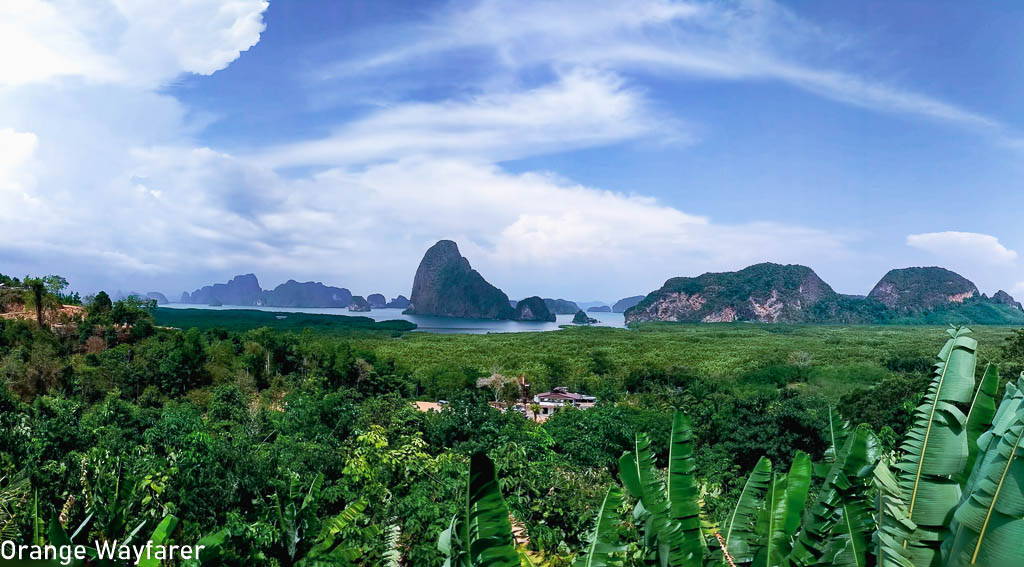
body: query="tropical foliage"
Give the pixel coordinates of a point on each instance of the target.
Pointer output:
(928, 514)
(709, 445)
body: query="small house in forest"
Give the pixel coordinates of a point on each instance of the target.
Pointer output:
(549, 402)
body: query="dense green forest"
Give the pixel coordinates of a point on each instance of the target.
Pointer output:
(293, 442)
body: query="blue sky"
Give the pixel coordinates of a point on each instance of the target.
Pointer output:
(572, 149)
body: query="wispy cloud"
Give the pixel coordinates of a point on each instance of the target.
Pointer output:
(129, 192)
(583, 108)
(733, 41)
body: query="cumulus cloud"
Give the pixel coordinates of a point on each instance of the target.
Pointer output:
(109, 186)
(102, 176)
(78, 100)
(972, 246)
(138, 42)
(363, 226)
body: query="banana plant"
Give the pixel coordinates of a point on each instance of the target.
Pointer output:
(893, 524)
(979, 417)
(329, 545)
(920, 516)
(838, 431)
(296, 516)
(604, 548)
(161, 536)
(12, 492)
(668, 513)
(779, 516)
(480, 534)
(988, 526)
(838, 526)
(739, 533)
(936, 451)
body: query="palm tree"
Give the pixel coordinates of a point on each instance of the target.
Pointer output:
(43, 294)
(38, 289)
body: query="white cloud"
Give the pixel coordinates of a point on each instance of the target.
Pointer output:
(129, 197)
(176, 215)
(971, 246)
(583, 108)
(77, 100)
(17, 151)
(741, 40)
(136, 42)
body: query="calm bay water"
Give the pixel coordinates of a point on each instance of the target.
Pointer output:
(432, 324)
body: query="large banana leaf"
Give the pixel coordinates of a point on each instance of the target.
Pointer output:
(604, 549)
(683, 495)
(59, 538)
(853, 522)
(292, 513)
(161, 536)
(838, 431)
(480, 534)
(988, 444)
(798, 484)
(990, 523)
(779, 517)
(740, 537)
(979, 418)
(935, 449)
(893, 524)
(837, 527)
(668, 512)
(638, 475)
(211, 544)
(1012, 402)
(327, 541)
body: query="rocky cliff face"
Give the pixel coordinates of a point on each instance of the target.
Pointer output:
(241, 290)
(400, 302)
(160, 298)
(913, 290)
(625, 303)
(358, 303)
(767, 293)
(307, 294)
(1003, 298)
(533, 309)
(561, 306)
(446, 285)
(581, 318)
(377, 300)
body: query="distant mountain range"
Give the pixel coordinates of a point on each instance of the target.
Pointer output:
(774, 293)
(625, 303)
(446, 285)
(245, 290)
(160, 298)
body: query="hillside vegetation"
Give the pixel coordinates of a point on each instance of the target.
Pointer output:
(281, 446)
(774, 293)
